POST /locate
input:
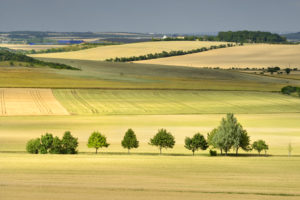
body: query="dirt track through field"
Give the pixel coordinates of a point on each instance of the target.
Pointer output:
(17, 101)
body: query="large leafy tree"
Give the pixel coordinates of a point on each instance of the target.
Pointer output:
(260, 145)
(69, 143)
(163, 139)
(195, 143)
(97, 140)
(130, 141)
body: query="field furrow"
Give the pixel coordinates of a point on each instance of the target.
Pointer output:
(16, 102)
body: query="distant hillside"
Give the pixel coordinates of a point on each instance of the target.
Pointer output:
(293, 36)
(10, 56)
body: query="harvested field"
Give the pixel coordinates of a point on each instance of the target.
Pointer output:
(252, 56)
(128, 50)
(29, 102)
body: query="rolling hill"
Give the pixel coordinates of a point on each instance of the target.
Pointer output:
(251, 56)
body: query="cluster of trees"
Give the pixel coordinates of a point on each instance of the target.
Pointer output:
(166, 54)
(289, 90)
(54, 145)
(230, 135)
(18, 57)
(251, 36)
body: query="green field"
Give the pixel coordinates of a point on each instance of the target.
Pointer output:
(139, 102)
(95, 74)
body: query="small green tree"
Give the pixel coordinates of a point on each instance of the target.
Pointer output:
(56, 147)
(195, 143)
(69, 143)
(163, 139)
(287, 71)
(33, 146)
(46, 143)
(97, 140)
(130, 141)
(260, 145)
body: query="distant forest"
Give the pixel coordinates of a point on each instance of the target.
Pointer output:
(238, 37)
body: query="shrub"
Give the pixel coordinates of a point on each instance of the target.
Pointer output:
(33, 146)
(212, 153)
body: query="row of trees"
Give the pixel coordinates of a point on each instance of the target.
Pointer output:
(229, 135)
(166, 54)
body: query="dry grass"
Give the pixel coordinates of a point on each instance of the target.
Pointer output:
(252, 56)
(147, 177)
(128, 50)
(30, 47)
(29, 102)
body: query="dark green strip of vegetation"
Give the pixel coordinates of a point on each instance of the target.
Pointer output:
(237, 36)
(10, 56)
(166, 54)
(69, 48)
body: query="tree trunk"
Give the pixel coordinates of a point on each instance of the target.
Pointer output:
(193, 153)
(128, 151)
(221, 151)
(96, 150)
(237, 151)
(160, 150)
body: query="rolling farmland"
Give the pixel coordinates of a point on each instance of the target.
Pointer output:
(252, 56)
(128, 50)
(29, 102)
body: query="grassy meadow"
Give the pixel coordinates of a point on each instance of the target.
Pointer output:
(251, 56)
(128, 50)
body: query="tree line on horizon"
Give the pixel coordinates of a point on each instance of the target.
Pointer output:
(235, 36)
(229, 135)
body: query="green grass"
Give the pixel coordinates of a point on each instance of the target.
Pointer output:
(141, 102)
(96, 74)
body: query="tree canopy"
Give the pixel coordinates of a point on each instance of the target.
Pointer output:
(195, 143)
(97, 140)
(130, 141)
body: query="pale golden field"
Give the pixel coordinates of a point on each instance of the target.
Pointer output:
(15, 101)
(128, 50)
(144, 174)
(30, 47)
(252, 56)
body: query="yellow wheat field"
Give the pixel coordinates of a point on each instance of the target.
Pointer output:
(30, 47)
(128, 50)
(15, 101)
(252, 56)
